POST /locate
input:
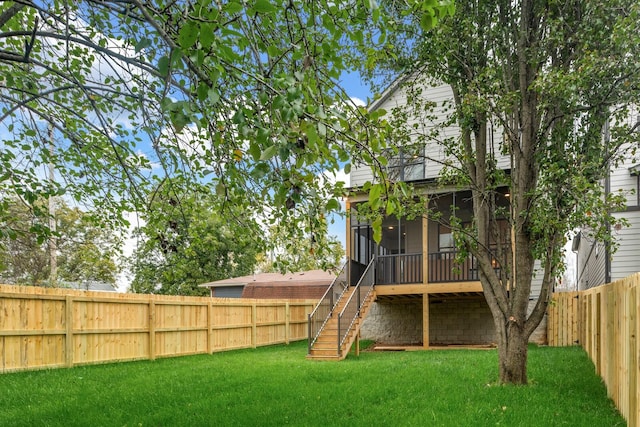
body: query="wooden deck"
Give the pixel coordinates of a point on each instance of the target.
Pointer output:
(418, 347)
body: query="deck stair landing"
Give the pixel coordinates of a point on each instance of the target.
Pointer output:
(343, 322)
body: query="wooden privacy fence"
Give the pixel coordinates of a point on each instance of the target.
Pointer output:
(46, 328)
(605, 322)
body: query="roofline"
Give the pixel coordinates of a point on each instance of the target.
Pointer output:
(388, 91)
(221, 285)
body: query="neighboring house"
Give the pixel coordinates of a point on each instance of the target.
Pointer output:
(302, 285)
(422, 296)
(595, 264)
(89, 285)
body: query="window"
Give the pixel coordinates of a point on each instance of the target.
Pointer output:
(445, 239)
(407, 165)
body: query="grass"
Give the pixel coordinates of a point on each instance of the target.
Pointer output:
(278, 386)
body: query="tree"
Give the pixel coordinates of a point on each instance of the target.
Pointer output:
(313, 252)
(239, 97)
(86, 253)
(552, 76)
(186, 242)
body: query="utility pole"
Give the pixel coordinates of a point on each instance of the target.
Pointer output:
(53, 243)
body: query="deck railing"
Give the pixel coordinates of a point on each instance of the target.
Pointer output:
(408, 268)
(351, 310)
(445, 267)
(323, 310)
(397, 269)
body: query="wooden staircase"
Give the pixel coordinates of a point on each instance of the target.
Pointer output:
(326, 345)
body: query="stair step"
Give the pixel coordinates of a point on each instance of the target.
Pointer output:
(324, 348)
(327, 358)
(327, 339)
(324, 353)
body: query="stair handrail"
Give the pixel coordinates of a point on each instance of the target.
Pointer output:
(339, 280)
(367, 279)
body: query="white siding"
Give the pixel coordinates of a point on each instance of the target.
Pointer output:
(626, 260)
(359, 175)
(434, 151)
(536, 281)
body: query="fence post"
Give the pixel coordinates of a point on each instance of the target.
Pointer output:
(210, 327)
(287, 322)
(635, 324)
(152, 328)
(254, 325)
(69, 330)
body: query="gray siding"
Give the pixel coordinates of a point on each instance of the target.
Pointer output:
(590, 262)
(626, 260)
(228, 291)
(622, 181)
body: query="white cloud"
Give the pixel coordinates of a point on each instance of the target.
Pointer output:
(123, 280)
(358, 102)
(341, 176)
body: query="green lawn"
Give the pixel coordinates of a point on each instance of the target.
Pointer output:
(278, 386)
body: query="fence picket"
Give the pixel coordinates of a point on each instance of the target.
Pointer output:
(604, 321)
(46, 328)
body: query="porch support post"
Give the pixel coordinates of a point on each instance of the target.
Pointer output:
(348, 240)
(425, 320)
(425, 248)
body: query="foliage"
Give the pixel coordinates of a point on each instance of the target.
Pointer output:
(185, 242)
(242, 98)
(539, 83)
(85, 253)
(461, 386)
(315, 252)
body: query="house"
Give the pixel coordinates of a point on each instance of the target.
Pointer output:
(596, 264)
(89, 285)
(420, 295)
(301, 285)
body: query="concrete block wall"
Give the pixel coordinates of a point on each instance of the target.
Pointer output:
(454, 321)
(451, 321)
(539, 336)
(461, 321)
(398, 323)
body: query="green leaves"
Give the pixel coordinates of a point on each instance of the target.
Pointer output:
(189, 240)
(264, 6)
(269, 152)
(237, 99)
(188, 34)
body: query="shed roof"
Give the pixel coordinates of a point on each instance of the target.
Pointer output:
(301, 285)
(275, 279)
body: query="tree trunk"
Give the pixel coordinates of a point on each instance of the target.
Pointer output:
(512, 352)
